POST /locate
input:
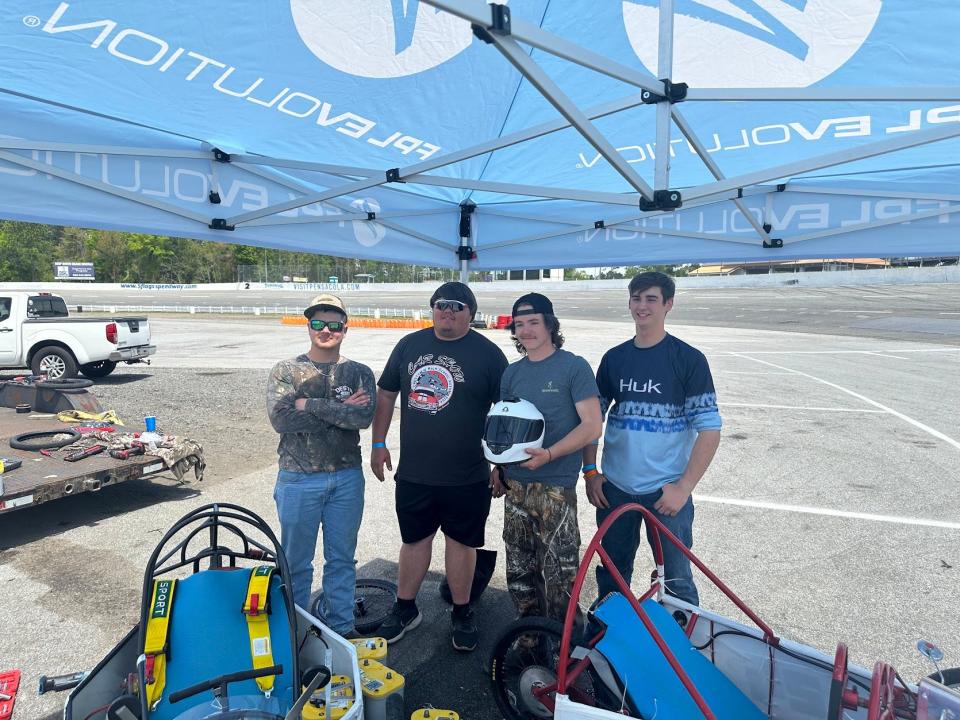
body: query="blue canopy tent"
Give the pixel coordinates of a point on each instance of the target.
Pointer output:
(456, 133)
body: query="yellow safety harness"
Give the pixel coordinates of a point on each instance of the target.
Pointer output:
(256, 608)
(156, 646)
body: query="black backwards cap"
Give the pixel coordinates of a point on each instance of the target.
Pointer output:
(454, 290)
(539, 303)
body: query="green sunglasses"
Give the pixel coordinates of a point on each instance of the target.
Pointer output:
(331, 325)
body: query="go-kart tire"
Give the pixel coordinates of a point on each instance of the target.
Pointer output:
(373, 600)
(55, 362)
(20, 442)
(65, 384)
(950, 677)
(98, 369)
(510, 663)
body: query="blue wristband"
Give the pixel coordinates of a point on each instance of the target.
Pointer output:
(379, 445)
(588, 467)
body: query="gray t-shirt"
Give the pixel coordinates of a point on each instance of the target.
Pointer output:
(555, 385)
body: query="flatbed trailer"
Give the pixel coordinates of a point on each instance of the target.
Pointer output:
(43, 478)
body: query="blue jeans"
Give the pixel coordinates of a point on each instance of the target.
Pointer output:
(623, 539)
(333, 500)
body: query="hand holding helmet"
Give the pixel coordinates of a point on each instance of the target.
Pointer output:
(513, 426)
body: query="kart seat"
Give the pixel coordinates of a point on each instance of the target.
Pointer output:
(208, 637)
(651, 684)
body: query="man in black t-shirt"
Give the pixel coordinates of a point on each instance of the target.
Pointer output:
(448, 376)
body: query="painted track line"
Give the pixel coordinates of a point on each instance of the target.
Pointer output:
(906, 418)
(798, 407)
(808, 510)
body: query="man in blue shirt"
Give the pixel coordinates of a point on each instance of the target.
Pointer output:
(662, 432)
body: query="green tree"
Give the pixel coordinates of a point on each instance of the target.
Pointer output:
(28, 251)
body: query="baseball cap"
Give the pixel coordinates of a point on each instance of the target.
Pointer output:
(539, 303)
(454, 290)
(326, 301)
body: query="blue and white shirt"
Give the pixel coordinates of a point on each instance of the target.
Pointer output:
(658, 399)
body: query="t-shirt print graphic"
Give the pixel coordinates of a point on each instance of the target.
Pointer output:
(431, 388)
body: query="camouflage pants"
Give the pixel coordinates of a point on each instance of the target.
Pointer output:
(542, 539)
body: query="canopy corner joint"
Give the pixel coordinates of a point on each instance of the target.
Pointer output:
(673, 92)
(662, 200)
(499, 24)
(220, 224)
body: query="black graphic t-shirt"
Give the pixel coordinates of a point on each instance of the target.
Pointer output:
(446, 389)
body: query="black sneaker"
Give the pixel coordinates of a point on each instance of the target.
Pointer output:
(399, 623)
(465, 634)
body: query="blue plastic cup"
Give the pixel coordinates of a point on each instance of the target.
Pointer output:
(151, 423)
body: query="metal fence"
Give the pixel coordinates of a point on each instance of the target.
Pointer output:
(257, 310)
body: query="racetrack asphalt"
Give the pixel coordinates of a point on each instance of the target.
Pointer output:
(831, 507)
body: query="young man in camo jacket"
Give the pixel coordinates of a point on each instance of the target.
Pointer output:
(319, 402)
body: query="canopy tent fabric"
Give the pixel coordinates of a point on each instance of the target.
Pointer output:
(532, 135)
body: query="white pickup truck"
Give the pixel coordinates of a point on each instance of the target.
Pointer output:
(35, 332)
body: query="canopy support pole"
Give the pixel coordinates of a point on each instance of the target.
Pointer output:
(535, 75)
(661, 176)
(465, 251)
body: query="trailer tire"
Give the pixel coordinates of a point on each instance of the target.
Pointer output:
(55, 362)
(98, 369)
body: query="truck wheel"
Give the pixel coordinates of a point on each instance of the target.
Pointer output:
(98, 369)
(54, 362)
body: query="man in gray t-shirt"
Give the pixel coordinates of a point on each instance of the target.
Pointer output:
(540, 528)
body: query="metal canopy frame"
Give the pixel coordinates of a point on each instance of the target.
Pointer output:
(506, 37)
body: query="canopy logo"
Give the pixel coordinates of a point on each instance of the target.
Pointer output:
(753, 43)
(379, 38)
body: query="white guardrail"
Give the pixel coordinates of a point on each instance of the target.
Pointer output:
(373, 312)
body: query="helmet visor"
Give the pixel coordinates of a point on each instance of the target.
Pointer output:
(502, 432)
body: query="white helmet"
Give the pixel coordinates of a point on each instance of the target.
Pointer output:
(512, 426)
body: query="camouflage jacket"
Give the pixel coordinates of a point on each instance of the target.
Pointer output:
(325, 436)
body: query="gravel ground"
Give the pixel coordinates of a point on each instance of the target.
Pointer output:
(223, 410)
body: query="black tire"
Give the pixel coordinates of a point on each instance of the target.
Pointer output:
(373, 601)
(56, 363)
(950, 677)
(34, 441)
(98, 369)
(527, 653)
(66, 384)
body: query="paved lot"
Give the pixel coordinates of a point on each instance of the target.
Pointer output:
(831, 507)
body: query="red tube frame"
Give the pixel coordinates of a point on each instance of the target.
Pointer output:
(594, 548)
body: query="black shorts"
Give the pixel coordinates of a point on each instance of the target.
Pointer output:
(460, 511)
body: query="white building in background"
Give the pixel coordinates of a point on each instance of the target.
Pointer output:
(536, 275)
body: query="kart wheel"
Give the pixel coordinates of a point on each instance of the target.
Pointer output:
(46, 440)
(372, 602)
(66, 384)
(524, 662)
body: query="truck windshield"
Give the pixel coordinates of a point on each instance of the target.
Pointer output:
(46, 306)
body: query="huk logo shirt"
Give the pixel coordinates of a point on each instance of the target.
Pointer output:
(658, 399)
